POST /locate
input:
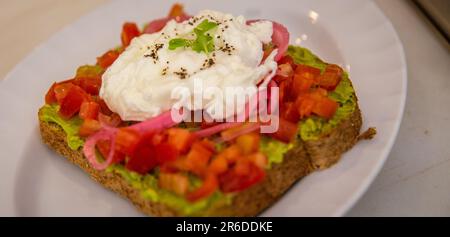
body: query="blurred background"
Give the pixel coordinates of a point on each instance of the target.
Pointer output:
(415, 179)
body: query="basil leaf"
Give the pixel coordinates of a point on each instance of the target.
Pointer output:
(204, 42)
(177, 43)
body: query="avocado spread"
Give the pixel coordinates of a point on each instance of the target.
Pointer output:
(309, 129)
(314, 127)
(148, 186)
(49, 113)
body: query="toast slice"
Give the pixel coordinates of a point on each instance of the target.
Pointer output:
(302, 159)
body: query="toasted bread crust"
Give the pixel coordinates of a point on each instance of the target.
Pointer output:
(303, 159)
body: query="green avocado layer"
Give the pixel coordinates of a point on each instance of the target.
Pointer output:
(148, 186)
(309, 129)
(49, 113)
(314, 127)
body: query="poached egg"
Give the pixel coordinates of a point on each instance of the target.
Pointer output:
(140, 84)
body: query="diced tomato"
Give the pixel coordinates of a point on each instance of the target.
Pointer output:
(231, 153)
(89, 78)
(305, 105)
(165, 152)
(176, 10)
(198, 157)
(50, 97)
(127, 140)
(287, 60)
(89, 127)
(104, 148)
(241, 177)
(333, 68)
(177, 183)
(180, 138)
(289, 112)
(307, 71)
(331, 77)
(209, 186)
(209, 145)
(218, 165)
(259, 160)
(90, 84)
(285, 91)
(61, 90)
(242, 167)
(174, 166)
(286, 131)
(285, 70)
(318, 93)
(108, 58)
(158, 138)
(278, 79)
(143, 158)
(72, 101)
(234, 132)
(89, 110)
(248, 143)
(304, 79)
(325, 108)
(129, 32)
(104, 109)
(112, 120)
(301, 84)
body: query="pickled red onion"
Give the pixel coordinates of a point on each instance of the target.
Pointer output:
(158, 24)
(215, 129)
(247, 128)
(162, 121)
(280, 38)
(159, 122)
(91, 142)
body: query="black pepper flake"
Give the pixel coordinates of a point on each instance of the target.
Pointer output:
(211, 62)
(227, 48)
(158, 46)
(164, 71)
(154, 52)
(208, 63)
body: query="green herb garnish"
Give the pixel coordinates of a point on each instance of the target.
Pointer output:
(204, 41)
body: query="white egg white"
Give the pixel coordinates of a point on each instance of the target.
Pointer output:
(141, 81)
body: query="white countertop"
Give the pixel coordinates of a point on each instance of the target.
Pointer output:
(415, 179)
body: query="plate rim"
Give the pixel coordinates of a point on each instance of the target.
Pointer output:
(374, 172)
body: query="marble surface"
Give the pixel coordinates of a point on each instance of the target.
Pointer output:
(415, 179)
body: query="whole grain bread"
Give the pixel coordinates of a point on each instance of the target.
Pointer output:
(303, 159)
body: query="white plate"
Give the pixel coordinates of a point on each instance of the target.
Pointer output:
(37, 182)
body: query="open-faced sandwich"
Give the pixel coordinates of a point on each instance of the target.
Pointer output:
(134, 123)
